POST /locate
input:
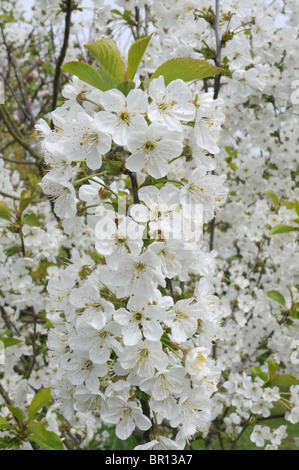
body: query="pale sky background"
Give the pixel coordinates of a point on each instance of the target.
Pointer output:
(88, 3)
(124, 39)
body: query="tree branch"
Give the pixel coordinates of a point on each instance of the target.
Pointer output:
(69, 8)
(217, 84)
(15, 133)
(241, 433)
(22, 88)
(134, 182)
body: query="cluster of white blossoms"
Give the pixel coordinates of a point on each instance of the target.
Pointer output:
(104, 239)
(259, 155)
(24, 302)
(127, 343)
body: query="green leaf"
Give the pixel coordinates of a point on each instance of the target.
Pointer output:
(233, 166)
(40, 400)
(135, 55)
(126, 87)
(281, 228)
(13, 250)
(289, 205)
(130, 443)
(51, 441)
(286, 379)
(24, 204)
(48, 325)
(17, 413)
(259, 373)
(297, 207)
(4, 424)
(88, 74)
(38, 429)
(31, 220)
(8, 342)
(25, 200)
(186, 69)
(277, 296)
(109, 57)
(5, 211)
(116, 12)
(113, 166)
(274, 198)
(295, 310)
(26, 193)
(273, 368)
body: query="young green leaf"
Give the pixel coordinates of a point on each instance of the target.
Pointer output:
(40, 400)
(273, 198)
(12, 251)
(8, 342)
(109, 57)
(25, 200)
(24, 203)
(4, 424)
(38, 429)
(277, 296)
(286, 379)
(5, 211)
(186, 69)
(295, 310)
(126, 87)
(17, 413)
(281, 228)
(31, 220)
(272, 368)
(25, 194)
(259, 373)
(135, 55)
(51, 441)
(88, 74)
(48, 325)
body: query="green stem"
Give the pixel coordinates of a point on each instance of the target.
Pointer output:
(90, 177)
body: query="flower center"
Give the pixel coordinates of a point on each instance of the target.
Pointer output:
(149, 146)
(125, 117)
(165, 106)
(138, 316)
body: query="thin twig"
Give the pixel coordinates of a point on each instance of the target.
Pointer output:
(241, 433)
(18, 162)
(5, 396)
(134, 182)
(8, 144)
(8, 323)
(170, 287)
(15, 134)
(217, 84)
(22, 88)
(69, 7)
(11, 196)
(33, 345)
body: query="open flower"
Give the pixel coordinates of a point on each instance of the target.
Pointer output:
(152, 149)
(126, 415)
(63, 194)
(209, 119)
(170, 104)
(144, 359)
(206, 189)
(80, 369)
(139, 318)
(122, 115)
(82, 138)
